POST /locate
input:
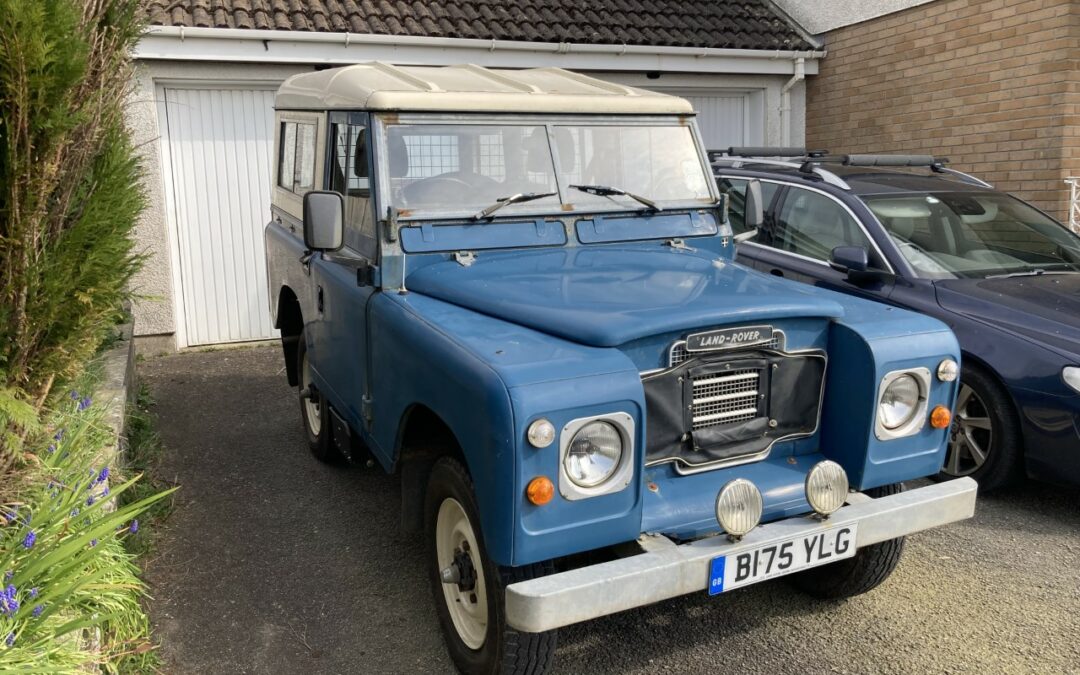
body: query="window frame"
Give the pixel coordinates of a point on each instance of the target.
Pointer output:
(361, 120)
(778, 202)
(294, 186)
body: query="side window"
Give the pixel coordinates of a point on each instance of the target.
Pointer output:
(812, 224)
(735, 188)
(349, 176)
(296, 163)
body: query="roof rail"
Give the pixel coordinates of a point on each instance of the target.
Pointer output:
(935, 164)
(765, 151)
(808, 168)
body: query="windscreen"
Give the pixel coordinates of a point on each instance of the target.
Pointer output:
(454, 168)
(975, 235)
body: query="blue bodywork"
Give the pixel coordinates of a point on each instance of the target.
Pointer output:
(1024, 330)
(558, 317)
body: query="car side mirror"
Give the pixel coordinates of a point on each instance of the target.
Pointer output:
(754, 206)
(324, 220)
(850, 259)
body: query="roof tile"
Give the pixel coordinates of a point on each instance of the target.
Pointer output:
(738, 24)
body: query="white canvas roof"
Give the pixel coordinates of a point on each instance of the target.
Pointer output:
(468, 88)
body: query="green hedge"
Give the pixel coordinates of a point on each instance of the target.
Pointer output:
(69, 192)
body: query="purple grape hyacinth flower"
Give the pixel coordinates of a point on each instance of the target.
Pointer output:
(84, 404)
(134, 527)
(38, 610)
(93, 542)
(90, 500)
(31, 537)
(103, 476)
(33, 592)
(9, 604)
(10, 641)
(59, 436)
(74, 395)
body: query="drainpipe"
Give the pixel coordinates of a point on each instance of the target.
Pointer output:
(785, 101)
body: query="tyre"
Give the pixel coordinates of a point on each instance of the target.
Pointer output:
(469, 588)
(314, 411)
(869, 567)
(984, 440)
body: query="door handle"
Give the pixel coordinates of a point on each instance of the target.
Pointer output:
(776, 272)
(319, 299)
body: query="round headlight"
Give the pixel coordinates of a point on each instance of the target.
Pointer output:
(899, 402)
(594, 454)
(738, 507)
(947, 370)
(541, 433)
(826, 487)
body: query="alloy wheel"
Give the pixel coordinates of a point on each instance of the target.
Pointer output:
(971, 436)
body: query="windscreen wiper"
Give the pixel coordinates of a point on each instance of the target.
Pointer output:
(512, 199)
(1037, 272)
(605, 191)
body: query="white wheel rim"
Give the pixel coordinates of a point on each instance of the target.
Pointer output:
(468, 609)
(312, 409)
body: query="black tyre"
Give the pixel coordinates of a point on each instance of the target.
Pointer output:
(984, 441)
(314, 411)
(869, 567)
(470, 603)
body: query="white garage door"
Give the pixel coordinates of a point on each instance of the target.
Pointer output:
(729, 119)
(216, 145)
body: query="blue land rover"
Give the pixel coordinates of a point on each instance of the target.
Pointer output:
(516, 291)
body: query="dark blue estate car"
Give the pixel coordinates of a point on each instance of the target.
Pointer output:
(1002, 274)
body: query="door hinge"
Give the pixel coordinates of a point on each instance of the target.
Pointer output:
(678, 244)
(365, 411)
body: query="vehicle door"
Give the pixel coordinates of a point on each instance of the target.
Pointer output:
(342, 280)
(735, 188)
(799, 240)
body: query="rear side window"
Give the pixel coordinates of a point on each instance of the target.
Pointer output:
(812, 225)
(296, 163)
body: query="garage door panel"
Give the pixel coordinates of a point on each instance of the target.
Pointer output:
(728, 118)
(219, 146)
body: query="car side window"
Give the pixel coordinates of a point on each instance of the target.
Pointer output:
(813, 224)
(296, 160)
(349, 176)
(735, 189)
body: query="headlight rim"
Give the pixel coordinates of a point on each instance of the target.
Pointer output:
(623, 474)
(918, 420)
(914, 405)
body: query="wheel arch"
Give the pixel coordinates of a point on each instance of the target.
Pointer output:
(289, 319)
(968, 358)
(423, 437)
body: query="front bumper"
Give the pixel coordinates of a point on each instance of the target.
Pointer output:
(667, 570)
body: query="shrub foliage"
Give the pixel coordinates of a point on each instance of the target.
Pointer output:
(69, 190)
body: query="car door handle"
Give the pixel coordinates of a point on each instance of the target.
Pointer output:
(776, 272)
(319, 299)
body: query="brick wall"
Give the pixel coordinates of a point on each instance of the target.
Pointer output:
(991, 84)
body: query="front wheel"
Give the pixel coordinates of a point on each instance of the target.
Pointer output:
(470, 589)
(863, 572)
(984, 440)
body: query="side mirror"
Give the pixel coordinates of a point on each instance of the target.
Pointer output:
(324, 220)
(850, 259)
(754, 206)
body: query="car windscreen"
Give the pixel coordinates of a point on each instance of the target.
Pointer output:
(974, 235)
(457, 168)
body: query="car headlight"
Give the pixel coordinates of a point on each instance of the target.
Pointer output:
(902, 402)
(1072, 377)
(899, 402)
(594, 454)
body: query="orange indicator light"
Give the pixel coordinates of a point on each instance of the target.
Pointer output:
(940, 418)
(540, 490)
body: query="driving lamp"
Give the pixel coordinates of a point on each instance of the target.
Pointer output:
(899, 402)
(948, 370)
(826, 487)
(1072, 377)
(738, 507)
(541, 433)
(594, 454)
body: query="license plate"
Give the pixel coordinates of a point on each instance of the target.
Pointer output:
(779, 558)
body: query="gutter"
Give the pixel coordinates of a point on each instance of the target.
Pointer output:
(280, 46)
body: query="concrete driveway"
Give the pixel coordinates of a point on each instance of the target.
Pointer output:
(274, 563)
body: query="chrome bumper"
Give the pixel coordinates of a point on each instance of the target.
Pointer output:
(667, 570)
